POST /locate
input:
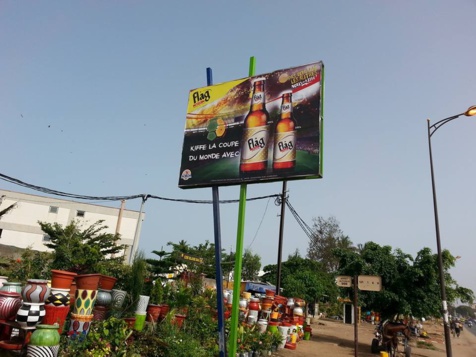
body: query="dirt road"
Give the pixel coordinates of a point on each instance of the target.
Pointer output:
(332, 338)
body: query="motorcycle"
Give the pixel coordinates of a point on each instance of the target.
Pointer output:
(377, 341)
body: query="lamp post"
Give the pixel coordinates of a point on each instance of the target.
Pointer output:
(431, 130)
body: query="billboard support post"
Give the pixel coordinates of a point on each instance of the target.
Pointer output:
(218, 269)
(238, 255)
(280, 244)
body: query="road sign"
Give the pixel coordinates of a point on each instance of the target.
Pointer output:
(369, 282)
(344, 281)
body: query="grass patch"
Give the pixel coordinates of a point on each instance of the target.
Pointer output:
(426, 345)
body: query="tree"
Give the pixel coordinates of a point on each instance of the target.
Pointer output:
(303, 278)
(409, 286)
(326, 237)
(251, 265)
(82, 250)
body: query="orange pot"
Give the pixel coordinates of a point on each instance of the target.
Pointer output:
(62, 279)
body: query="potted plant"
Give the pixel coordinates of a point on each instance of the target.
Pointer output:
(156, 297)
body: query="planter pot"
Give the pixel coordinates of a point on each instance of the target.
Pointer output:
(164, 310)
(153, 313)
(84, 301)
(140, 321)
(118, 297)
(45, 335)
(99, 313)
(13, 287)
(62, 279)
(142, 304)
(56, 315)
(30, 314)
(130, 321)
(72, 292)
(42, 351)
(104, 297)
(88, 281)
(107, 282)
(178, 320)
(36, 290)
(10, 302)
(58, 297)
(79, 326)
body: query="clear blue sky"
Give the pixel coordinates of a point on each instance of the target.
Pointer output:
(93, 98)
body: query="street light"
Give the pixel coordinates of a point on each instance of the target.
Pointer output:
(431, 130)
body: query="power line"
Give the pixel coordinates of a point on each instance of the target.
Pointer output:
(115, 198)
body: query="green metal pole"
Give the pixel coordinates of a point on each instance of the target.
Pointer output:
(238, 256)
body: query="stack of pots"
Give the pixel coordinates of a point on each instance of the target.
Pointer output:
(57, 305)
(85, 298)
(253, 310)
(32, 310)
(44, 341)
(141, 312)
(104, 297)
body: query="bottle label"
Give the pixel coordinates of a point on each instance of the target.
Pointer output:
(285, 146)
(286, 108)
(258, 98)
(254, 145)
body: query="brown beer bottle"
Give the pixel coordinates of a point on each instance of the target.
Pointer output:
(254, 144)
(284, 157)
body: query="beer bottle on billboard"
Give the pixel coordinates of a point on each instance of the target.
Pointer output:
(254, 144)
(284, 153)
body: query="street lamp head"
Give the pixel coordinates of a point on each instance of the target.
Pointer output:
(471, 111)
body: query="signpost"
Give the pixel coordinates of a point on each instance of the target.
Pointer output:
(361, 282)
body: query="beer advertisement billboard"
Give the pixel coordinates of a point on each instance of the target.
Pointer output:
(256, 129)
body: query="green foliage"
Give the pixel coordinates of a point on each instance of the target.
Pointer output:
(251, 265)
(82, 251)
(105, 338)
(410, 286)
(327, 236)
(135, 283)
(465, 311)
(302, 278)
(31, 265)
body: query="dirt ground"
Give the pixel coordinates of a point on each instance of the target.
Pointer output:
(332, 338)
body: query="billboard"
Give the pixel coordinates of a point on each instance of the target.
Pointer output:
(256, 129)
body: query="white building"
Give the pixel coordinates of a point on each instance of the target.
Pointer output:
(20, 228)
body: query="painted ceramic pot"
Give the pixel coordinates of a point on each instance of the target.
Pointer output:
(62, 279)
(14, 287)
(79, 327)
(118, 297)
(56, 315)
(45, 335)
(107, 282)
(84, 301)
(104, 297)
(36, 290)
(42, 351)
(99, 313)
(30, 314)
(142, 304)
(140, 321)
(88, 281)
(10, 302)
(58, 297)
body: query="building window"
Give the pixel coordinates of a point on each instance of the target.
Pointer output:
(46, 238)
(1, 231)
(53, 209)
(80, 214)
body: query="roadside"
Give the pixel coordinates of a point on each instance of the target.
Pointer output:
(336, 339)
